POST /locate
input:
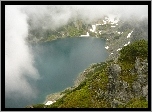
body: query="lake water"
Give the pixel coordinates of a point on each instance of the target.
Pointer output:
(59, 62)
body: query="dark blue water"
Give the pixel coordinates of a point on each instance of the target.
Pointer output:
(59, 62)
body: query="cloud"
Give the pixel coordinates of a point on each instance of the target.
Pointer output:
(18, 58)
(55, 16)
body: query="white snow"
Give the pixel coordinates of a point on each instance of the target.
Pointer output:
(107, 47)
(104, 22)
(128, 36)
(111, 53)
(112, 19)
(113, 26)
(118, 32)
(85, 35)
(100, 32)
(127, 43)
(93, 28)
(98, 24)
(119, 49)
(49, 102)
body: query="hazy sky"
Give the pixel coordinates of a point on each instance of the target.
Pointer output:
(18, 57)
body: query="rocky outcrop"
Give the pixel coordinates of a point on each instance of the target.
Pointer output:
(86, 73)
(113, 71)
(119, 91)
(145, 92)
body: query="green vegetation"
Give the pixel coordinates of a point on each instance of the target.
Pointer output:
(128, 55)
(138, 102)
(137, 49)
(89, 94)
(39, 106)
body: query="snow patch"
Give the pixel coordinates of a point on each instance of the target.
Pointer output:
(128, 36)
(104, 22)
(119, 49)
(113, 19)
(98, 24)
(113, 26)
(49, 102)
(85, 35)
(127, 43)
(93, 28)
(118, 32)
(107, 47)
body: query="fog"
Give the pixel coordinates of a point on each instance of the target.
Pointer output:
(18, 58)
(19, 63)
(56, 16)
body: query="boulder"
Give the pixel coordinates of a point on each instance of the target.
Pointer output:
(145, 92)
(136, 88)
(115, 103)
(141, 66)
(114, 70)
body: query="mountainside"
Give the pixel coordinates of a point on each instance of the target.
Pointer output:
(121, 84)
(116, 32)
(121, 81)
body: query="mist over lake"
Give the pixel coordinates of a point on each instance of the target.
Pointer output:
(59, 62)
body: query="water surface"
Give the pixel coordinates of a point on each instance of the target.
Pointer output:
(59, 62)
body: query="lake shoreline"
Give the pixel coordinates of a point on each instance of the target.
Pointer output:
(84, 43)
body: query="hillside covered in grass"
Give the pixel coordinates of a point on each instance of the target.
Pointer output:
(121, 83)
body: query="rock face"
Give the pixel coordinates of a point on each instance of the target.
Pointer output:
(83, 75)
(120, 92)
(141, 66)
(137, 88)
(114, 71)
(142, 70)
(145, 92)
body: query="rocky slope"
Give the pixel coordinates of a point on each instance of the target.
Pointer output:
(121, 81)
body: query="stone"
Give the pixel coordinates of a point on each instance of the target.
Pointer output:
(114, 70)
(142, 79)
(145, 92)
(141, 66)
(122, 96)
(137, 63)
(136, 88)
(115, 103)
(125, 84)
